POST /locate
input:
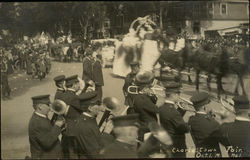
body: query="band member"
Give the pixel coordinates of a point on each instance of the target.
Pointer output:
(75, 108)
(43, 137)
(171, 120)
(129, 80)
(202, 127)
(144, 102)
(126, 132)
(82, 136)
(235, 136)
(61, 88)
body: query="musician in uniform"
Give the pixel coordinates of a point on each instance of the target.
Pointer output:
(75, 109)
(43, 136)
(144, 102)
(82, 136)
(235, 136)
(126, 132)
(129, 80)
(61, 88)
(202, 127)
(171, 118)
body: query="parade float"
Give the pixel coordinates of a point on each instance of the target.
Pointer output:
(139, 45)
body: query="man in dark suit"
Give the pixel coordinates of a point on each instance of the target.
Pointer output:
(202, 127)
(172, 121)
(87, 74)
(82, 138)
(74, 111)
(43, 137)
(129, 80)
(4, 81)
(97, 76)
(235, 136)
(60, 83)
(126, 131)
(144, 102)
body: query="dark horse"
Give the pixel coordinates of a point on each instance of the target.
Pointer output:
(177, 60)
(220, 62)
(215, 60)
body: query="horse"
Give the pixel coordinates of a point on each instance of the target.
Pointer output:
(220, 61)
(177, 59)
(239, 65)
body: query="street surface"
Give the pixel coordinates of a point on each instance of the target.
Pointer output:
(15, 113)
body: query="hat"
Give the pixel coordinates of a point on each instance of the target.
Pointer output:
(241, 102)
(172, 87)
(200, 99)
(41, 99)
(134, 63)
(126, 120)
(87, 98)
(168, 77)
(59, 78)
(71, 80)
(144, 77)
(88, 51)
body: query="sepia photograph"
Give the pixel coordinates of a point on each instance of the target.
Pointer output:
(125, 79)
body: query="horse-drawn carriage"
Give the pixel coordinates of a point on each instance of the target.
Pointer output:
(146, 44)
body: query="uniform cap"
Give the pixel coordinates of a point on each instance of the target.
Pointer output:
(59, 78)
(41, 99)
(134, 63)
(144, 78)
(241, 102)
(126, 120)
(199, 99)
(71, 80)
(167, 77)
(172, 87)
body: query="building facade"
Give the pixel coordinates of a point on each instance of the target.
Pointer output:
(223, 16)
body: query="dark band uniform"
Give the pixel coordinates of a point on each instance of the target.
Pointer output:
(202, 126)
(235, 136)
(120, 149)
(84, 132)
(60, 91)
(129, 79)
(144, 105)
(87, 66)
(171, 120)
(74, 112)
(43, 137)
